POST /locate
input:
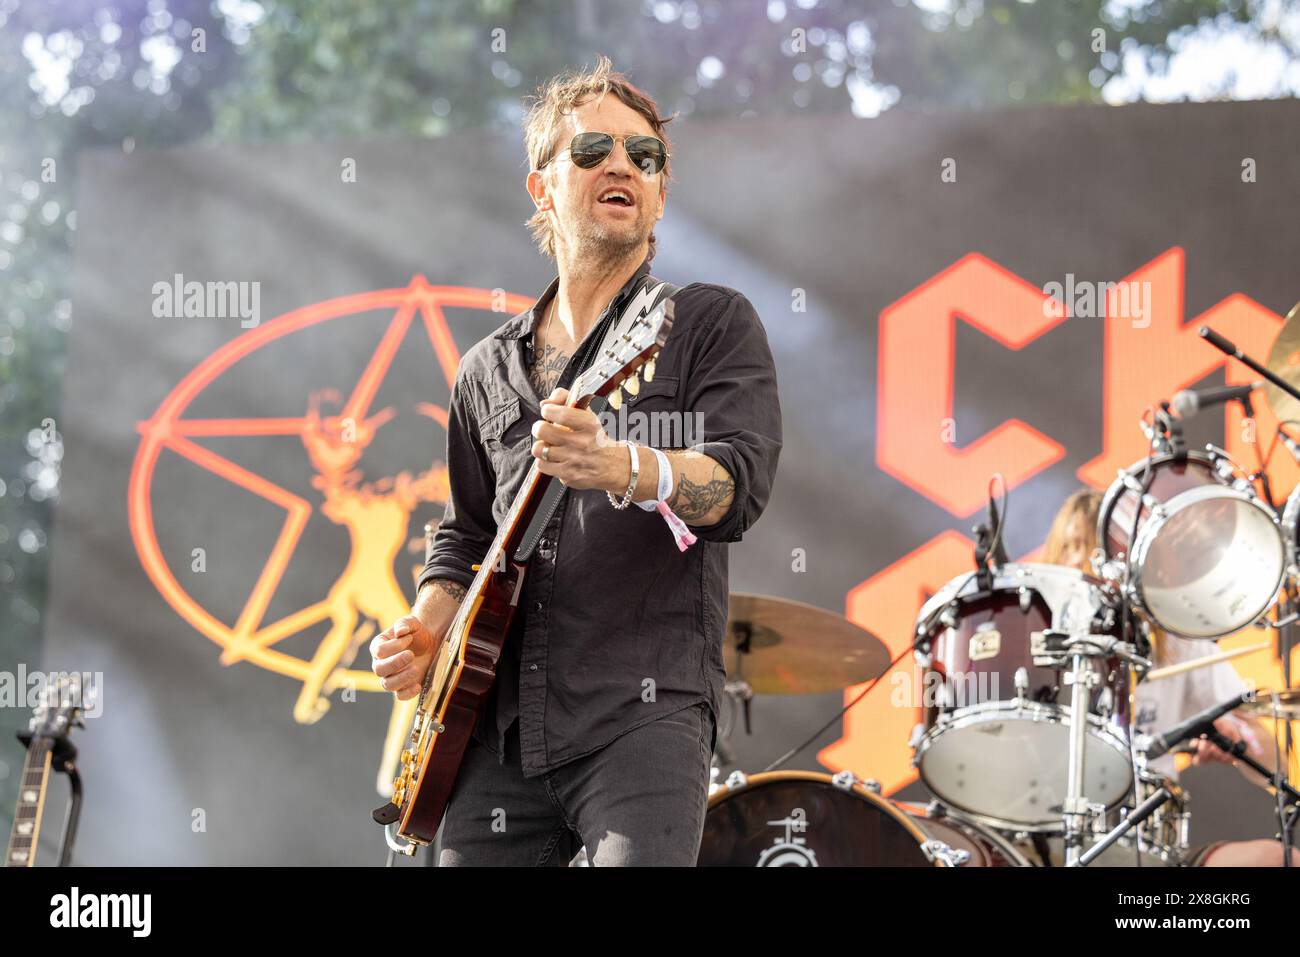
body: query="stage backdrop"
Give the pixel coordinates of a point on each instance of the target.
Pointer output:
(212, 561)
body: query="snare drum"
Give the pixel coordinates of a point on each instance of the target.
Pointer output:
(806, 819)
(1205, 556)
(994, 739)
(1159, 841)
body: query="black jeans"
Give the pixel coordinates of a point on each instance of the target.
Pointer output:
(638, 801)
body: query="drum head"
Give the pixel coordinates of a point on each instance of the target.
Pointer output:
(796, 819)
(1008, 765)
(1207, 558)
(1211, 565)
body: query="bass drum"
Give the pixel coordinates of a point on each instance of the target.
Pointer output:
(807, 819)
(984, 847)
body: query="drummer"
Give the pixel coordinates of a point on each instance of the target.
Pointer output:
(1161, 704)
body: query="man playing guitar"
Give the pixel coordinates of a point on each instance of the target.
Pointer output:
(601, 724)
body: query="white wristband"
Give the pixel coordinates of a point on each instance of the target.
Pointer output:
(665, 481)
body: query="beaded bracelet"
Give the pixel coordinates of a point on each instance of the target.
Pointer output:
(631, 485)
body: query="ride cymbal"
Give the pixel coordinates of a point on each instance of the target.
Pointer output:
(781, 646)
(1284, 362)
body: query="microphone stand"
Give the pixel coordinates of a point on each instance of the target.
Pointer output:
(1140, 814)
(1286, 631)
(1238, 750)
(1226, 347)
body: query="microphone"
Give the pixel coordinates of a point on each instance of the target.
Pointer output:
(1190, 401)
(1194, 726)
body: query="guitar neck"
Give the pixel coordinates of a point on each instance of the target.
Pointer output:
(528, 496)
(31, 800)
(496, 557)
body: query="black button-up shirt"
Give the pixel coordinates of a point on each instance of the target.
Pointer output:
(616, 627)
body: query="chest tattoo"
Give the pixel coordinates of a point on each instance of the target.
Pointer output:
(546, 369)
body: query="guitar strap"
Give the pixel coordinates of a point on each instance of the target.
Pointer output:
(648, 294)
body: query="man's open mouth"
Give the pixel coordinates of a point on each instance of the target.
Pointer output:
(617, 197)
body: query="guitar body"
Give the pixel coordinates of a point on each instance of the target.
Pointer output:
(464, 691)
(464, 667)
(461, 678)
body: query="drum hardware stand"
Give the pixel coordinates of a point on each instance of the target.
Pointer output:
(1288, 614)
(738, 688)
(1081, 679)
(1053, 649)
(1285, 643)
(1140, 814)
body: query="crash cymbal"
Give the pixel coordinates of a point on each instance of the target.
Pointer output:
(1288, 706)
(1284, 361)
(781, 646)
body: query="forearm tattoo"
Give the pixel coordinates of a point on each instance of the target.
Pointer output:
(692, 501)
(455, 589)
(546, 370)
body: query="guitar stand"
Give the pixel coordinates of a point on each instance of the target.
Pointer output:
(64, 758)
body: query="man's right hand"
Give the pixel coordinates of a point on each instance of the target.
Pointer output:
(401, 655)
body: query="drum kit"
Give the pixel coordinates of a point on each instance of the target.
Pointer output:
(1026, 740)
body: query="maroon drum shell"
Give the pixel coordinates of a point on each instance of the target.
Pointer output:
(962, 835)
(992, 677)
(1169, 478)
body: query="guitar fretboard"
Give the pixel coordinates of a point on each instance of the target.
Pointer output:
(31, 799)
(494, 558)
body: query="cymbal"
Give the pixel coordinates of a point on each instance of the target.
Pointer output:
(1284, 361)
(796, 648)
(1262, 707)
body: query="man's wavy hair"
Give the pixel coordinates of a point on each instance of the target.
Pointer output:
(560, 97)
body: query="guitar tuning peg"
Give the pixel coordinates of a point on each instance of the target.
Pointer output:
(615, 399)
(648, 372)
(632, 384)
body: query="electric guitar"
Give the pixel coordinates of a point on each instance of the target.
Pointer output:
(464, 666)
(48, 748)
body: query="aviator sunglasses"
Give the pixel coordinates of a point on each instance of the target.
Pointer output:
(589, 150)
